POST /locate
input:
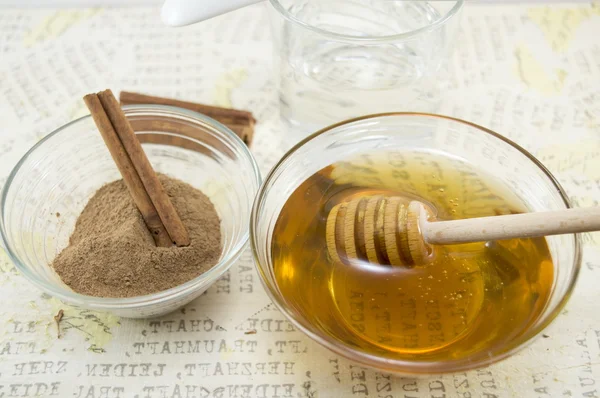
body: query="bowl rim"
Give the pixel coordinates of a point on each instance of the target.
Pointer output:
(115, 303)
(407, 367)
(276, 4)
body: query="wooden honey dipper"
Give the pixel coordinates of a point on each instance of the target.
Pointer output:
(398, 231)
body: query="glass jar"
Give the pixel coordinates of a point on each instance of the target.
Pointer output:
(337, 59)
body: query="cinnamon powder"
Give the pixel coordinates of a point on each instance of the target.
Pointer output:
(112, 254)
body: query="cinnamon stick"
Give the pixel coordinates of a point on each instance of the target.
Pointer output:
(202, 142)
(166, 211)
(239, 121)
(127, 170)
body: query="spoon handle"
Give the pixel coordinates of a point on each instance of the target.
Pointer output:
(185, 12)
(527, 225)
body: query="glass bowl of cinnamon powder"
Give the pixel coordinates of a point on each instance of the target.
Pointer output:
(64, 200)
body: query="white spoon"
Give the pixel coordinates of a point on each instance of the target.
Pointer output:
(186, 12)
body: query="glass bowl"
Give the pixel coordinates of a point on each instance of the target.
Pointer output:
(49, 187)
(490, 152)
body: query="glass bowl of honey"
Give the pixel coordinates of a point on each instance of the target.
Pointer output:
(473, 304)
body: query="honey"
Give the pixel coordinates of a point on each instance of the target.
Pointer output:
(469, 300)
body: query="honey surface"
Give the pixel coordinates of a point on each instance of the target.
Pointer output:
(469, 300)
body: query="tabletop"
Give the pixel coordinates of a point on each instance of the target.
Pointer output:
(530, 72)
